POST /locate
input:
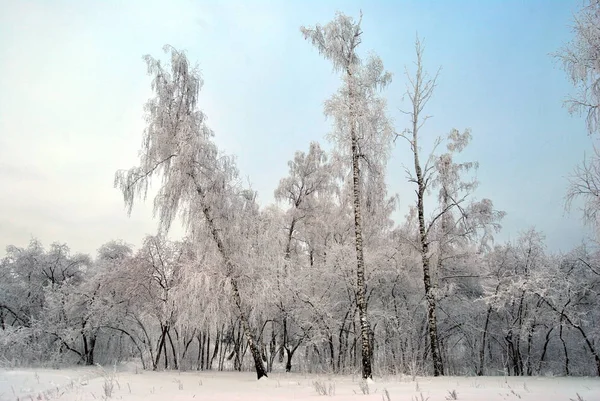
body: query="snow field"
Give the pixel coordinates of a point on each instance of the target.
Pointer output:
(96, 384)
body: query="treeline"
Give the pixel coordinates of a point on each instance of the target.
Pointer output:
(322, 281)
(514, 309)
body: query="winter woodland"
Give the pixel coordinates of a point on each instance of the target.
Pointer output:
(324, 280)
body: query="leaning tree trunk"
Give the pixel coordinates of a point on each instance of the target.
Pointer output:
(235, 292)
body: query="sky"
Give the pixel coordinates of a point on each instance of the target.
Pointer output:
(73, 84)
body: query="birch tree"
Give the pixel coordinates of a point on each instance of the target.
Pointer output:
(361, 131)
(580, 58)
(420, 90)
(198, 182)
(457, 220)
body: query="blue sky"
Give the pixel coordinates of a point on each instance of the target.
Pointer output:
(73, 83)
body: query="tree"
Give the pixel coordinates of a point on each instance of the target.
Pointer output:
(569, 287)
(540, 308)
(456, 221)
(584, 183)
(120, 301)
(580, 58)
(309, 179)
(361, 131)
(22, 298)
(156, 270)
(42, 297)
(198, 182)
(420, 91)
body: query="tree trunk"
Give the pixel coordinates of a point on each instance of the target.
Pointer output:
(438, 368)
(237, 300)
(513, 353)
(258, 362)
(272, 348)
(283, 339)
(202, 346)
(422, 91)
(331, 352)
(545, 349)
(165, 352)
(342, 347)
(361, 300)
(160, 347)
(216, 349)
(237, 350)
(429, 295)
(175, 361)
(208, 364)
(290, 354)
(187, 344)
(288, 363)
(483, 341)
(560, 335)
(89, 344)
(528, 367)
(222, 352)
(200, 360)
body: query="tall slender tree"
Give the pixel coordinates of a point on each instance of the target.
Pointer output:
(362, 132)
(420, 91)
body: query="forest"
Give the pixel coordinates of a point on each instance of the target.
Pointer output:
(324, 279)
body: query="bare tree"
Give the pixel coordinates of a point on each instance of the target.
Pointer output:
(584, 183)
(457, 220)
(420, 90)
(198, 182)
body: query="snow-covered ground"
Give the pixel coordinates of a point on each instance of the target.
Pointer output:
(129, 384)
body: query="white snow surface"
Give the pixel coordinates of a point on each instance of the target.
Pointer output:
(128, 384)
